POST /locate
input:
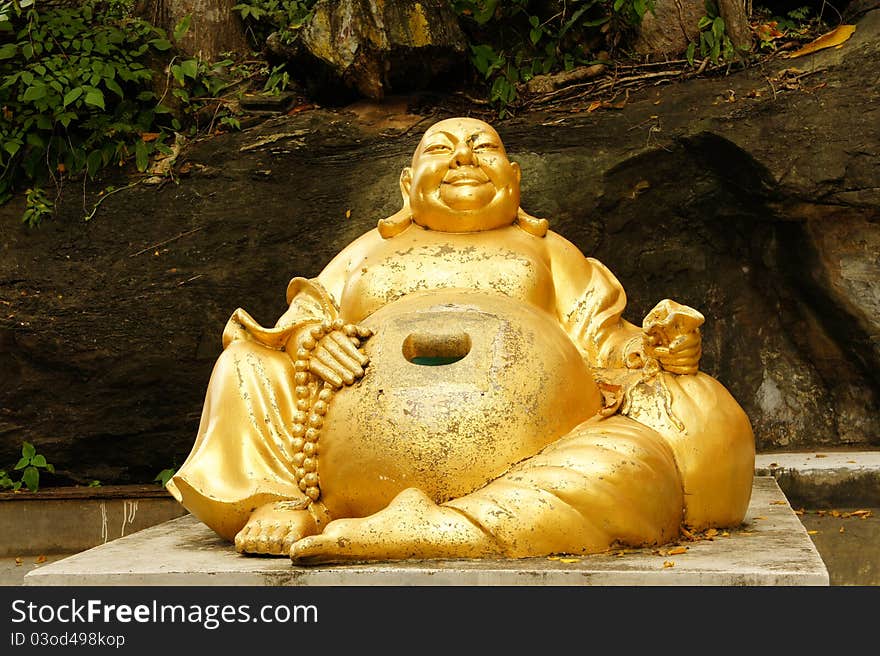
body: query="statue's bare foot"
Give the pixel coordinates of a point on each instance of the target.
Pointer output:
(272, 529)
(411, 526)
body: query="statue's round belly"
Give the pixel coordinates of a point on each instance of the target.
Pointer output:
(460, 386)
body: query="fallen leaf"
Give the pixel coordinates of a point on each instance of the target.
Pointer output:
(812, 532)
(347, 214)
(778, 503)
(725, 534)
(149, 136)
(711, 533)
(861, 513)
(18, 561)
(676, 551)
(668, 563)
(569, 560)
(842, 530)
(832, 39)
(40, 559)
(760, 517)
(820, 455)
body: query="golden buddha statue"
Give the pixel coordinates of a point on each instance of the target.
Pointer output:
(459, 382)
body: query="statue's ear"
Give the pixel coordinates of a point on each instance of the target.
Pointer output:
(402, 219)
(405, 183)
(518, 171)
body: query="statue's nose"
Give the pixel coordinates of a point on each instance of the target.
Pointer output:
(462, 155)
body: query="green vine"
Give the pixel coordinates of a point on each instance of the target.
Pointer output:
(512, 42)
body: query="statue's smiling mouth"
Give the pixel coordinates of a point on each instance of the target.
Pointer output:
(464, 178)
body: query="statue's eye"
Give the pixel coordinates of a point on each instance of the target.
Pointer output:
(484, 147)
(438, 148)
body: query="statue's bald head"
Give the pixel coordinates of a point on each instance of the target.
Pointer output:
(460, 179)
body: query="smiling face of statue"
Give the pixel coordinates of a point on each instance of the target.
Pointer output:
(461, 179)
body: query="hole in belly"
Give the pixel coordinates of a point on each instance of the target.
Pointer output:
(430, 349)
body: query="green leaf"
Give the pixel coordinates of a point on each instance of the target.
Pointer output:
(31, 478)
(690, 53)
(535, 34)
(72, 95)
(164, 476)
(113, 86)
(141, 154)
(50, 467)
(12, 147)
(39, 460)
(28, 450)
(8, 50)
(24, 462)
(66, 117)
(182, 27)
(35, 92)
(95, 98)
(94, 161)
(160, 44)
(190, 68)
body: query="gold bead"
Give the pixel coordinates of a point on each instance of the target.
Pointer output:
(313, 493)
(310, 464)
(316, 332)
(316, 421)
(308, 344)
(301, 377)
(312, 435)
(303, 486)
(311, 479)
(298, 430)
(325, 395)
(300, 472)
(300, 417)
(302, 354)
(326, 326)
(302, 392)
(301, 364)
(298, 459)
(298, 444)
(309, 448)
(337, 324)
(320, 408)
(303, 406)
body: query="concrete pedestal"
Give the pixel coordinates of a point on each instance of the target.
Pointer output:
(771, 548)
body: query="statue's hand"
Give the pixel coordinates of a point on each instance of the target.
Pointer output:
(672, 337)
(331, 350)
(411, 526)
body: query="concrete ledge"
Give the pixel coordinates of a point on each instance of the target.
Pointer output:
(74, 519)
(824, 479)
(770, 548)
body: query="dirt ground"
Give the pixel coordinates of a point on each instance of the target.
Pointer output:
(848, 543)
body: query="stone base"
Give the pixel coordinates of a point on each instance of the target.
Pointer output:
(771, 548)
